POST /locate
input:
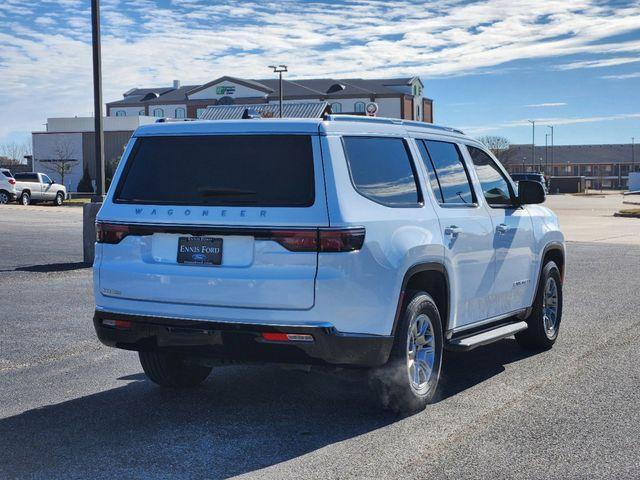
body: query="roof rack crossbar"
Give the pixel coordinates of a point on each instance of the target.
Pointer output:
(391, 121)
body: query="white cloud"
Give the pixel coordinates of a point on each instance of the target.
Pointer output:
(606, 62)
(48, 73)
(622, 76)
(548, 104)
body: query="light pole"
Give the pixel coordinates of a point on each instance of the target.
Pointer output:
(97, 101)
(546, 152)
(633, 154)
(533, 143)
(279, 69)
(551, 127)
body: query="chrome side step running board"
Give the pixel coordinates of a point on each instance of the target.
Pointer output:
(473, 340)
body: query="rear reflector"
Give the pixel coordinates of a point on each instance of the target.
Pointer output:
(118, 324)
(286, 337)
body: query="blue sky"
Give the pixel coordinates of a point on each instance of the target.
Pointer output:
(489, 66)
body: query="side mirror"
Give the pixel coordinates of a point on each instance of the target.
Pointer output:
(530, 192)
(51, 182)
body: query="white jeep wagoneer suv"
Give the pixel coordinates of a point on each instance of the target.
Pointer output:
(345, 241)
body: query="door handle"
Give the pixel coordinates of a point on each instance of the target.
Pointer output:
(502, 228)
(453, 230)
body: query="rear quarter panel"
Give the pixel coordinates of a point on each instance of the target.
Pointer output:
(359, 291)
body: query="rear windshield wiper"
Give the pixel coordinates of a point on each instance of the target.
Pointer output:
(224, 192)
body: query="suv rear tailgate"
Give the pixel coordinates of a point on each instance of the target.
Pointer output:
(257, 197)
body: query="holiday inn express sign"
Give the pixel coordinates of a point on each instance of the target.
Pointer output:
(226, 90)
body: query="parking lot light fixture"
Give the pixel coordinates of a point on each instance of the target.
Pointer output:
(279, 69)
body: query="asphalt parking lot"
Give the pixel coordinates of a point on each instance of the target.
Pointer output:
(71, 408)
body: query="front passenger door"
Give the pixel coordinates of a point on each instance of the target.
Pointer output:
(45, 184)
(513, 238)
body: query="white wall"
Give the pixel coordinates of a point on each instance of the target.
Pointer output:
(169, 110)
(86, 124)
(129, 111)
(240, 92)
(388, 107)
(44, 148)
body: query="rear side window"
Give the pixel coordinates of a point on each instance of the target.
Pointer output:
(447, 172)
(6, 173)
(233, 170)
(27, 177)
(381, 170)
(495, 187)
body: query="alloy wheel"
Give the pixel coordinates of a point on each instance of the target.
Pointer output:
(421, 353)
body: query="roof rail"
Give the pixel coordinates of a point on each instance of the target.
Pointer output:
(390, 121)
(173, 120)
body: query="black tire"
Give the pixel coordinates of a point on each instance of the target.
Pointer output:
(392, 382)
(171, 370)
(59, 200)
(4, 197)
(537, 336)
(25, 198)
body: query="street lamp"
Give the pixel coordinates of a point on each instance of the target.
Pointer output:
(97, 101)
(551, 127)
(279, 69)
(533, 143)
(633, 154)
(546, 152)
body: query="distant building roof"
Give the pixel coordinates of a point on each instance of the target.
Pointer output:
(572, 154)
(289, 110)
(301, 89)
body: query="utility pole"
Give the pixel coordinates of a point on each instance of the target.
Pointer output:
(551, 127)
(533, 143)
(633, 154)
(546, 152)
(97, 101)
(279, 69)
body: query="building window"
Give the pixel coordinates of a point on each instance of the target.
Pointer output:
(121, 113)
(358, 107)
(417, 112)
(336, 107)
(158, 112)
(180, 113)
(141, 112)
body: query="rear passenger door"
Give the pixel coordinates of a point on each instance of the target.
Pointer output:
(467, 232)
(46, 187)
(513, 238)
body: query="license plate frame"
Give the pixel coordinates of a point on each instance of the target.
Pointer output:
(206, 251)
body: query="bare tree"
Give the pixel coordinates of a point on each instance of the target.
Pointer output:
(12, 153)
(498, 145)
(62, 161)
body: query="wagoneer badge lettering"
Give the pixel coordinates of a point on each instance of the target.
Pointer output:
(203, 213)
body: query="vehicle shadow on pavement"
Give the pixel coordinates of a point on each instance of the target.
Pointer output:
(242, 419)
(50, 267)
(463, 370)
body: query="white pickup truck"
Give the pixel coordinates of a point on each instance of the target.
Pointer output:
(38, 187)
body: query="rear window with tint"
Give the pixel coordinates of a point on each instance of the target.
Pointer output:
(6, 173)
(381, 170)
(251, 170)
(27, 177)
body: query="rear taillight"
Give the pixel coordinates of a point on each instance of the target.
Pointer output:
(12, 181)
(341, 240)
(110, 232)
(296, 240)
(323, 240)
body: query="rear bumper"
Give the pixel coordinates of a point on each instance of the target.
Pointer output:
(242, 342)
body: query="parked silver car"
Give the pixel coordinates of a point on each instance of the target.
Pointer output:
(7, 186)
(38, 187)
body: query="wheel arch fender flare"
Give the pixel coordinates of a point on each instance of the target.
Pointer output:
(556, 248)
(414, 270)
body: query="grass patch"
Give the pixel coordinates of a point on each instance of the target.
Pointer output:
(628, 212)
(77, 201)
